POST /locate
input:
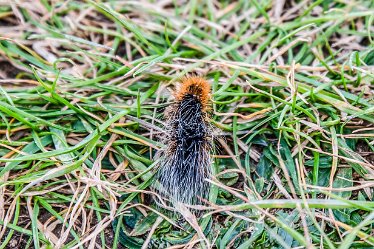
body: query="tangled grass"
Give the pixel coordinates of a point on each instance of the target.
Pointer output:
(83, 85)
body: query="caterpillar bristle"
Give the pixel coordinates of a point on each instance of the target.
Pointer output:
(185, 161)
(196, 86)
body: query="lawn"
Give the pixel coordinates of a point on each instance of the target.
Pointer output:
(83, 88)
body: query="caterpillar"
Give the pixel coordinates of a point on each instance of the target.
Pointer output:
(185, 161)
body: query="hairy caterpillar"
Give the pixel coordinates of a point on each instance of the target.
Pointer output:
(185, 161)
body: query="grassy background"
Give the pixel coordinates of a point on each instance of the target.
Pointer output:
(83, 88)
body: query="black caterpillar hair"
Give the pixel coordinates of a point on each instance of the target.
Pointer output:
(185, 161)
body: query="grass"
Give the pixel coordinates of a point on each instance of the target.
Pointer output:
(83, 87)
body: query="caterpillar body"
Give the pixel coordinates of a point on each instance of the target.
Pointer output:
(185, 161)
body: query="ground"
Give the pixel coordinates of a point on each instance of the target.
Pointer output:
(83, 88)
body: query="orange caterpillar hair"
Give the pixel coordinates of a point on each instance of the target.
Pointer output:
(196, 86)
(185, 160)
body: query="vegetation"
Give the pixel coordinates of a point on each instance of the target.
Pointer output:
(83, 87)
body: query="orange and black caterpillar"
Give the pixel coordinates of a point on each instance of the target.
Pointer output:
(185, 161)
